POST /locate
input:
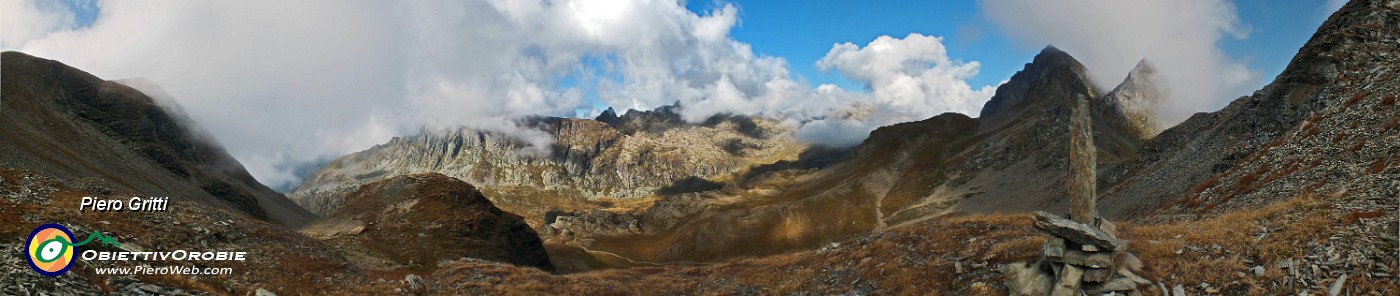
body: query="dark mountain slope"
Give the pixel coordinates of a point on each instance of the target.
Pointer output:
(102, 135)
(423, 219)
(1327, 110)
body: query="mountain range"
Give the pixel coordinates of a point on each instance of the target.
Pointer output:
(1290, 189)
(684, 192)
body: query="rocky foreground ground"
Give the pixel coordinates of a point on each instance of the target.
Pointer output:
(1314, 242)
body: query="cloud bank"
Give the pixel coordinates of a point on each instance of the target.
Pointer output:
(285, 83)
(1181, 37)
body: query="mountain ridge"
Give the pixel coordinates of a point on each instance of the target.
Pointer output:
(640, 155)
(99, 134)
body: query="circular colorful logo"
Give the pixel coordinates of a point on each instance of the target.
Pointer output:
(50, 249)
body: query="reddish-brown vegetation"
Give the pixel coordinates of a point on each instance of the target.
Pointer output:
(1354, 216)
(1355, 98)
(1377, 167)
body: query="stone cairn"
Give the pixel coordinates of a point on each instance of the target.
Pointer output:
(1083, 254)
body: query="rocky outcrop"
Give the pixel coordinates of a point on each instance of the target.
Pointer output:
(641, 154)
(1051, 73)
(608, 117)
(108, 137)
(419, 220)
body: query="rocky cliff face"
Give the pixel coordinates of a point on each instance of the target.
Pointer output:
(419, 220)
(639, 155)
(108, 137)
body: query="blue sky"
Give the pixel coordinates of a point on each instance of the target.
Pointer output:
(802, 34)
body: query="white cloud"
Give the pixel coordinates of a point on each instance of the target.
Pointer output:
(27, 20)
(908, 79)
(913, 74)
(272, 81)
(283, 83)
(1181, 37)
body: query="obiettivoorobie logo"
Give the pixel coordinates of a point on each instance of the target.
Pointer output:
(50, 248)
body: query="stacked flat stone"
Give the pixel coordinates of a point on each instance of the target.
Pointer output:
(1083, 258)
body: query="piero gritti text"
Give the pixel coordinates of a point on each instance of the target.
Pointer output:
(134, 204)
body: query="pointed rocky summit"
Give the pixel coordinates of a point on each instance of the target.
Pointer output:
(1134, 100)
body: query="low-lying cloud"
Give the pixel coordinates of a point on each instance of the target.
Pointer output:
(907, 79)
(1181, 38)
(285, 83)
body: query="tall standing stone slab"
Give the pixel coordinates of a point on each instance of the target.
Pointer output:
(1082, 158)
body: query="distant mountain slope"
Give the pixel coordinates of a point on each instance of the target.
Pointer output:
(1326, 123)
(639, 155)
(102, 136)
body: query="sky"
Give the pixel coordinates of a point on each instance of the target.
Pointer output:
(286, 84)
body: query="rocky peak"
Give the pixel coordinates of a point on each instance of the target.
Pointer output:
(1052, 76)
(648, 121)
(1132, 102)
(609, 117)
(1143, 67)
(1024, 129)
